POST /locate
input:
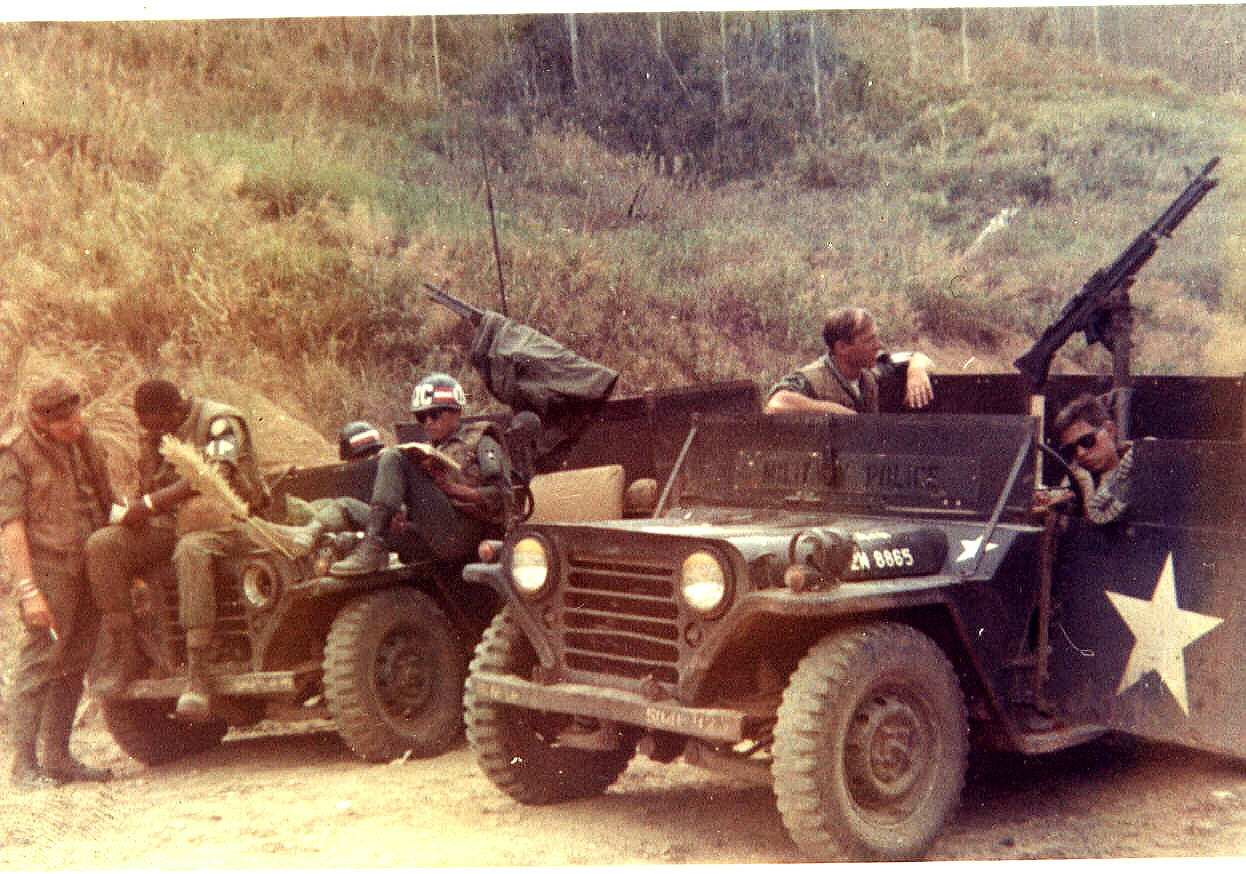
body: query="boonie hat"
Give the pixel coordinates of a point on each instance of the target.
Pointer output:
(55, 398)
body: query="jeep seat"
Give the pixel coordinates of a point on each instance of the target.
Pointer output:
(585, 494)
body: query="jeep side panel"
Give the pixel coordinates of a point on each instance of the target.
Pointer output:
(1150, 634)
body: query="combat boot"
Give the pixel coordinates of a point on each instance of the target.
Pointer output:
(58, 723)
(195, 703)
(26, 773)
(371, 555)
(117, 659)
(295, 541)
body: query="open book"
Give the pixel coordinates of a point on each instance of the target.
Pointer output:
(422, 451)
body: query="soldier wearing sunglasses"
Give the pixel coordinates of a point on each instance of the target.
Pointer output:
(1101, 463)
(447, 512)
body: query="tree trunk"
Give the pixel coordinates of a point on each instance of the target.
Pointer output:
(722, 35)
(1094, 23)
(914, 60)
(574, 35)
(815, 71)
(964, 44)
(436, 61)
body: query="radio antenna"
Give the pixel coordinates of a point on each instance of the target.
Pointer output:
(493, 225)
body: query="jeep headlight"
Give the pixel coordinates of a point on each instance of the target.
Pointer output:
(530, 566)
(703, 582)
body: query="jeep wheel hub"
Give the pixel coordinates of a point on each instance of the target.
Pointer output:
(887, 750)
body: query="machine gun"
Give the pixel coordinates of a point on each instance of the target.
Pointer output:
(1101, 308)
(468, 311)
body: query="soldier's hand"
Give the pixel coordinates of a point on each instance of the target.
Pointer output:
(35, 612)
(918, 392)
(398, 524)
(1051, 499)
(437, 474)
(137, 514)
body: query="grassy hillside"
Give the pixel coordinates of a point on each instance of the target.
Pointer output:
(251, 207)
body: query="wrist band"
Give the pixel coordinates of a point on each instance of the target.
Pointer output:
(148, 504)
(26, 589)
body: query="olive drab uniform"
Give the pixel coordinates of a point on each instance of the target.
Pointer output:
(119, 553)
(466, 446)
(224, 436)
(62, 493)
(437, 526)
(828, 384)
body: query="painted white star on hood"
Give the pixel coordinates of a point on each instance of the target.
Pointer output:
(969, 548)
(1161, 631)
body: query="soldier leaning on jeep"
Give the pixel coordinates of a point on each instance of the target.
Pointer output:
(845, 379)
(148, 534)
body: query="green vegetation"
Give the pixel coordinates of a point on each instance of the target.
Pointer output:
(251, 207)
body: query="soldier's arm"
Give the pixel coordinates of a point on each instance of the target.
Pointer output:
(495, 481)
(794, 394)
(33, 606)
(918, 392)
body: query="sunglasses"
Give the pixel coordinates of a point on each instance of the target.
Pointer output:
(427, 416)
(1087, 440)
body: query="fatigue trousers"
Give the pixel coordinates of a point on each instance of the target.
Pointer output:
(435, 527)
(116, 554)
(194, 559)
(47, 683)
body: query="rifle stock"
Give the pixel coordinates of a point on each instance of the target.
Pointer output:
(1107, 290)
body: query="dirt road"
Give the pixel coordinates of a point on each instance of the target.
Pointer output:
(266, 800)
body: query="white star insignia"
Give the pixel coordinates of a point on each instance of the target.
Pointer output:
(969, 548)
(1161, 631)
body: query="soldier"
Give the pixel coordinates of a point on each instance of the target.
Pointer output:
(1101, 463)
(356, 440)
(845, 379)
(448, 512)
(147, 534)
(54, 491)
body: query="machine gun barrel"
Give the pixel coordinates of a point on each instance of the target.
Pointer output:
(1107, 289)
(472, 313)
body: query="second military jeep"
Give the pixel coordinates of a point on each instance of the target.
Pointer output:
(844, 606)
(383, 656)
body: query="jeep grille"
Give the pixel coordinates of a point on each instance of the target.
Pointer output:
(621, 618)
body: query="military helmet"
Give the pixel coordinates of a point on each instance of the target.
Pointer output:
(437, 391)
(358, 440)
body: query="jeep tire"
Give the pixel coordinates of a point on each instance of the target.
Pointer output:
(393, 676)
(147, 731)
(515, 746)
(871, 745)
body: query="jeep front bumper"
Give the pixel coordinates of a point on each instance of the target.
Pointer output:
(716, 724)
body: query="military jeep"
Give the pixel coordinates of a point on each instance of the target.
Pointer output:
(845, 606)
(384, 656)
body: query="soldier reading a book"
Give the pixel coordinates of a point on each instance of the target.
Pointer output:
(453, 491)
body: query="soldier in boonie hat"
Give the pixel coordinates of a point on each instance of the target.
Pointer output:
(54, 492)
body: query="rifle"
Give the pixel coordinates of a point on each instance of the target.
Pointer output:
(468, 311)
(1101, 308)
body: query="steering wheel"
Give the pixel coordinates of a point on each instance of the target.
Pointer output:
(1077, 505)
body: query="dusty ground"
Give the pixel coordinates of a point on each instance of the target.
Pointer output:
(265, 800)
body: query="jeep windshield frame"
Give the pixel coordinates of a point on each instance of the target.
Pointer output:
(902, 464)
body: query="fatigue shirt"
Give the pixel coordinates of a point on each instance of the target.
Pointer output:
(1112, 493)
(821, 381)
(155, 472)
(61, 491)
(477, 447)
